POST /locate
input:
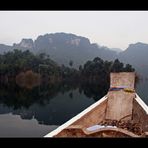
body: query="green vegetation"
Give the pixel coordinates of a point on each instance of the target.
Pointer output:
(95, 75)
(27, 78)
(11, 63)
(15, 63)
(98, 70)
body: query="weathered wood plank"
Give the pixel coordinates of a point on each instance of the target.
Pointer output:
(77, 117)
(122, 79)
(93, 117)
(115, 105)
(120, 103)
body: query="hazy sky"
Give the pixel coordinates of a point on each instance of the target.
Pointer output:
(114, 29)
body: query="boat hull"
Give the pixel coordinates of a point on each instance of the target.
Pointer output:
(120, 103)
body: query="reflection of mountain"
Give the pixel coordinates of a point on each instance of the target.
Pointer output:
(48, 104)
(59, 110)
(16, 97)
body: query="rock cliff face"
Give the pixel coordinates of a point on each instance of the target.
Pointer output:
(24, 44)
(4, 48)
(136, 55)
(64, 47)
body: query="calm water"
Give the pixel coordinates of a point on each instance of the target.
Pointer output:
(38, 117)
(36, 112)
(142, 90)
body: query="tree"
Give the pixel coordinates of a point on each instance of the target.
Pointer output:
(71, 63)
(80, 68)
(42, 56)
(117, 66)
(129, 68)
(98, 60)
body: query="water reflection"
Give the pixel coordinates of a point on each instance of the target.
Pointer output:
(142, 90)
(50, 104)
(28, 79)
(14, 126)
(24, 101)
(46, 104)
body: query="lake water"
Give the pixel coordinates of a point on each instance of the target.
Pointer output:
(142, 90)
(36, 112)
(38, 117)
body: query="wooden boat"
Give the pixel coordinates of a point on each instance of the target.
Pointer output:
(121, 105)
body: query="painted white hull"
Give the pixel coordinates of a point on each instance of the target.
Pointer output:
(87, 110)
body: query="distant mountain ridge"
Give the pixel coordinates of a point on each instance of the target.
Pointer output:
(118, 50)
(4, 48)
(25, 43)
(137, 55)
(64, 47)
